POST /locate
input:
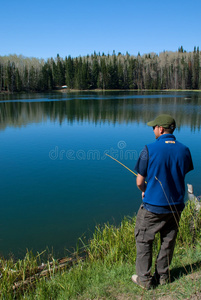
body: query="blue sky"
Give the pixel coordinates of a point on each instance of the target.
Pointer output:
(44, 29)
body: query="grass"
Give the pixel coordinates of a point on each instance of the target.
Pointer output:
(106, 271)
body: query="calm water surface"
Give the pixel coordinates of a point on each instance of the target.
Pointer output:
(56, 183)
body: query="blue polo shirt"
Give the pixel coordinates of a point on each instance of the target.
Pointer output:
(164, 163)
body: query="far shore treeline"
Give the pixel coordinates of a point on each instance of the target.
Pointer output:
(168, 70)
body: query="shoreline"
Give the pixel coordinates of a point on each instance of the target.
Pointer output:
(60, 90)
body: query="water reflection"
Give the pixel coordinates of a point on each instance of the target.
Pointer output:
(52, 202)
(20, 110)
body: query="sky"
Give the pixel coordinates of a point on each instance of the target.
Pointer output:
(45, 28)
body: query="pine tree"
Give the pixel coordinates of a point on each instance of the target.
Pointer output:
(95, 72)
(70, 72)
(196, 66)
(86, 77)
(120, 76)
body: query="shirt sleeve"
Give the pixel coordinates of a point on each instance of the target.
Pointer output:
(190, 167)
(142, 163)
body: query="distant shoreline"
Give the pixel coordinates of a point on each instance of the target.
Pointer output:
(95, 90)
(123, 90)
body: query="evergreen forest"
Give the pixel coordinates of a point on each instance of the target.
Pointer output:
(167, 70)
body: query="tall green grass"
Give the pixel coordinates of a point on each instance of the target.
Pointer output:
(108, 265)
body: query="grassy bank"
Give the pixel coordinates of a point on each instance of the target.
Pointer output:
(105, 272)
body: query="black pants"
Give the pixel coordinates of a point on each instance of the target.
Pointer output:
(147, 225)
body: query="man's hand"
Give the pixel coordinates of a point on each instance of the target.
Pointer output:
(142, 195)
(140, 181)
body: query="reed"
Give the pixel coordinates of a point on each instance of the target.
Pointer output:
(16, 271)
(189, 226)
(115, 244)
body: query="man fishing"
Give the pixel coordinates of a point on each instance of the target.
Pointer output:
(164, 164)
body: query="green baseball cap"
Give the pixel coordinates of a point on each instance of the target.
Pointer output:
(166, 121)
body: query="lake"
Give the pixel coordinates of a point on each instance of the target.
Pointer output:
(57, 184)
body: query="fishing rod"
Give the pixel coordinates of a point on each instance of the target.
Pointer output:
(121, 164)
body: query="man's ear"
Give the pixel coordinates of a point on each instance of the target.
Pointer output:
(161, 130)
